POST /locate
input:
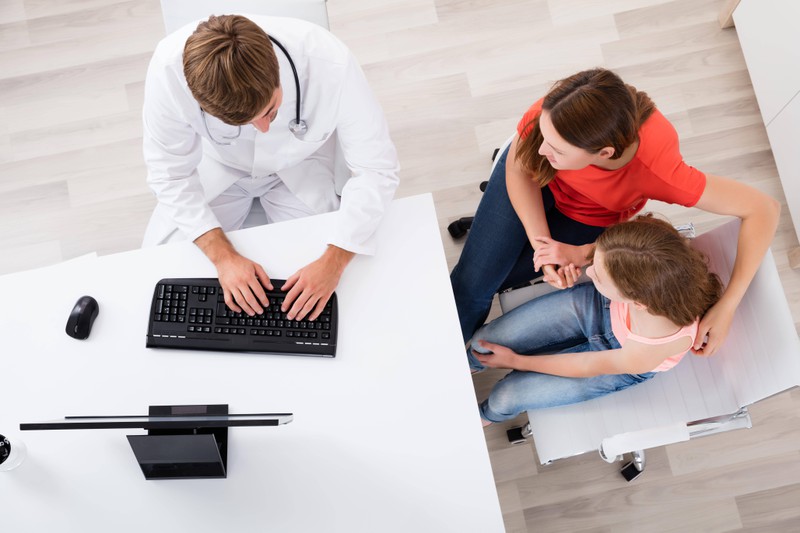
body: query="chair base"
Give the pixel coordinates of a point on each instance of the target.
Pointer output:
(458, 228)
(635, 468)
(519, 435)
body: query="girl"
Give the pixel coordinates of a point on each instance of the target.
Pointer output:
(588, 155)
(639, 316)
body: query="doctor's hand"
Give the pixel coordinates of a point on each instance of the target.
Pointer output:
(311, 287)
(242, 280)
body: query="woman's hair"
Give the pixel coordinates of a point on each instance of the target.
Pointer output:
(592, 109)
(652, 264)
(231, 68)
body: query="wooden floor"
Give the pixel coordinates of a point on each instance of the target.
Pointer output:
(454, 76)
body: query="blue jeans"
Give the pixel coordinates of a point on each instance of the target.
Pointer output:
(568, 321)
(498, 255)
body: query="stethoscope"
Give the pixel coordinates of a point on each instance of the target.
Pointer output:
(297, 126)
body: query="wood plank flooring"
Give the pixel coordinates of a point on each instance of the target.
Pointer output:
(453, 76)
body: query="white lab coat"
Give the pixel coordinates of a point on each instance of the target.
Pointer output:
(338, 106)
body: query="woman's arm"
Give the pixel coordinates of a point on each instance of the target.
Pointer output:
(525, 195)
(633, 358)
(526, 199)
(759, 215)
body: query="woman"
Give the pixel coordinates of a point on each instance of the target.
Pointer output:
(639, 316)
(587, 155)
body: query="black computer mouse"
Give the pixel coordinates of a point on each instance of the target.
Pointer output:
(80, 321)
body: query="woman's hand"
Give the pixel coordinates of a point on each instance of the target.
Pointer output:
(715, 323)
(551, 252)
(501, 357)
(560, 263)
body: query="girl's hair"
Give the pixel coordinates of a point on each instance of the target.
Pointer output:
(592, 109)
(231, 68)
(652, 264)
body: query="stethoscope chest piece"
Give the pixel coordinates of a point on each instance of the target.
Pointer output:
(298, 127)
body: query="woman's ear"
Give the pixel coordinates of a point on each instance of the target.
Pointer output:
(639, 307)
(607, 152)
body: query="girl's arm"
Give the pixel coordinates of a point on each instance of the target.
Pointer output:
(633, 358)
(759, 215)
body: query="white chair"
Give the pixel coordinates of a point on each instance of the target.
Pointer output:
(177, 13)
(701, 396)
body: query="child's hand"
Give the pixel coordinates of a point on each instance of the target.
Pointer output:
(561, 277)
(570, 273)
(501, 357)
(552, 275)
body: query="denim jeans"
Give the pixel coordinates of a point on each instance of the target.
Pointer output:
(498, 255)
(568, 321)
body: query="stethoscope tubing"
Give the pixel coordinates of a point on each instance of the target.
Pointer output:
(301, 125)
(294, 74)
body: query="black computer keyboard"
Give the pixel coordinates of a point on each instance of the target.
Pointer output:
(190, 313)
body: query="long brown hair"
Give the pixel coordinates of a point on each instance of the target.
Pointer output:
(591, 110)
(231, 68)
(652, 264)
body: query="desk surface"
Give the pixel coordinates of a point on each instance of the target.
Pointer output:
(386, 436)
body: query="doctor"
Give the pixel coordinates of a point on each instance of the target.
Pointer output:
(241, 108)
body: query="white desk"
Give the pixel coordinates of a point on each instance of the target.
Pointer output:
(386, 436)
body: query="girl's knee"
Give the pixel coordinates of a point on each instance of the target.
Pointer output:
(480, 335)
(502, 404)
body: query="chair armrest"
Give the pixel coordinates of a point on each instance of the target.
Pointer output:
(612, 447)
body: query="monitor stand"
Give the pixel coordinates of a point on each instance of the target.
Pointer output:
(183, 453)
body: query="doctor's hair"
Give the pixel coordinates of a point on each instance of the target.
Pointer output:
(654, 265)
(231, 68)
(592, 109)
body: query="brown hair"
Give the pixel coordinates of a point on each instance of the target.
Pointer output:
(591, 110)
(231, 68)
(652, 264)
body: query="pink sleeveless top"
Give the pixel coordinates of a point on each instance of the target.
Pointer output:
(619, 325)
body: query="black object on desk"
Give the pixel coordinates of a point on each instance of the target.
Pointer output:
(182, 441)
(79, 323)
(190, 313)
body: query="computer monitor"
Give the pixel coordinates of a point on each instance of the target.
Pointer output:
(182, 441)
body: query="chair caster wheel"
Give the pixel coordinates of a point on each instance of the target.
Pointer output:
(630, 472)
(635, 468)
(516, 435)
(459, 228)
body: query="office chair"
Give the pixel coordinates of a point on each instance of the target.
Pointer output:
(700, 396)
(176, 13)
